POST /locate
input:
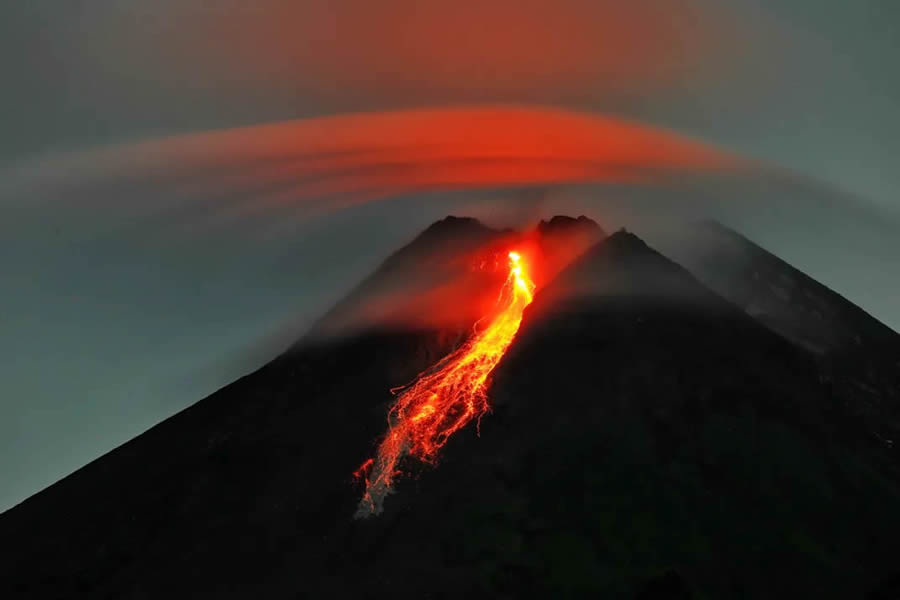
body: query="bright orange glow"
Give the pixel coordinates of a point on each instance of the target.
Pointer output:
(448, 396)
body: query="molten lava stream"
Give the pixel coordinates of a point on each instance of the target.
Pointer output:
(447, 396)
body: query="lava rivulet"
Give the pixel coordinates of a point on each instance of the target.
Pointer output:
(448, 396)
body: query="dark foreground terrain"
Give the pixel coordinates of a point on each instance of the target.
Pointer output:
(649, 439)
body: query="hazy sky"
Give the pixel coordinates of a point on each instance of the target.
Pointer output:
(114, 314)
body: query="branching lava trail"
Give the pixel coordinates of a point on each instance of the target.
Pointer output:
(447, 396)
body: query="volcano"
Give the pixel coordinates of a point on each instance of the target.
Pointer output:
(649, 434)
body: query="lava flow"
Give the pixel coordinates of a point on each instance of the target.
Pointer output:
(448, 395)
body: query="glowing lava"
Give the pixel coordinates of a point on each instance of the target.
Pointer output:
(447, 396)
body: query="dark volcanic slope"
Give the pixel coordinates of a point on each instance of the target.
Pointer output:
(859, 355)
(668, 430)
(404, 285)
(775, 293)
(648, 438)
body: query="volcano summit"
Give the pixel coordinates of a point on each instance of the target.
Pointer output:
(651, 430)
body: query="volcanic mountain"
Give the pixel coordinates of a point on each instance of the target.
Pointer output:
(648, 438)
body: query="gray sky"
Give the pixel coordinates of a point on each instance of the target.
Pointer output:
(114, 316)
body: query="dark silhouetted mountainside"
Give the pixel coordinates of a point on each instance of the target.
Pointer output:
(775, 293)
(692, 439)
(648, 439)
(858, 355)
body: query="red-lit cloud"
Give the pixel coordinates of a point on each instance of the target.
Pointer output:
(354, 158)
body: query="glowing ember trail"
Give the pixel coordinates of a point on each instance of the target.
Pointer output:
(447, 396)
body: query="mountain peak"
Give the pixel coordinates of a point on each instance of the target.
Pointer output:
(623, 265)
(626, 240)
(452, 223)
(459, 232)
(567, 223)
